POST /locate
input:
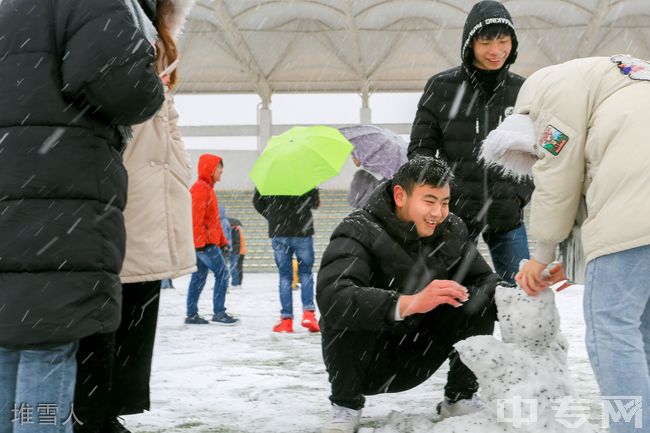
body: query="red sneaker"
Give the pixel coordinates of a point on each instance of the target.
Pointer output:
(310, 322)
(285, 325)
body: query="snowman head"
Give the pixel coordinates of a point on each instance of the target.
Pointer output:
(529, 321)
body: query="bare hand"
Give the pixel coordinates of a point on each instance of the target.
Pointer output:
(530, 277)
(556, 274)
(438, 292)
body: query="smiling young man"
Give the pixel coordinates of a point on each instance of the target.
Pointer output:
(399, 284)
(458, 108)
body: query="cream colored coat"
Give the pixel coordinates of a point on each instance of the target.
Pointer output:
(606, 160)
(158, 214)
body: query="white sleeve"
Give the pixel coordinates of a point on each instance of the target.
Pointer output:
(559, 108)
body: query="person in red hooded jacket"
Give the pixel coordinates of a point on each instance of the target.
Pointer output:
(210, 243)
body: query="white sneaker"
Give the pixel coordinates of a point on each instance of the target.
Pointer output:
(461, 407)
(344, 420)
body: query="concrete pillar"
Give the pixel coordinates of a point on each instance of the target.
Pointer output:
(365, 114)
(264, 122)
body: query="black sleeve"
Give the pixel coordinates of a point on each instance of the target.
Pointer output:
(472, 270)
(235, 240)
(107, 63)
(315, 198)
(260, 203)
(343, 292)
(524, 191)
(426, 134)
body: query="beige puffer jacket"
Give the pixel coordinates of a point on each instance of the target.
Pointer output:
(158, 214)
(593, 138)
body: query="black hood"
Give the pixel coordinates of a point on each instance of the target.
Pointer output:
(485, 13)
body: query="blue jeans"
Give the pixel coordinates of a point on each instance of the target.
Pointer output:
(37, 389)
(208, 259)
(617, 315)
(234, 270)
(507, 250)
(284, 248)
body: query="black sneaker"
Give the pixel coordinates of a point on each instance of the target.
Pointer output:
(196, 320)
(224, 319)
(447, 409)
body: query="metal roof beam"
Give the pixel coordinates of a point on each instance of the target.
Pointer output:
(353, 32)
(244, 54)
(590, 40)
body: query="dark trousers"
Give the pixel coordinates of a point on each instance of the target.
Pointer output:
(92, 397)
(507, 249)
(240, 267)
(368, 363)
(134, 348)
(113, 369)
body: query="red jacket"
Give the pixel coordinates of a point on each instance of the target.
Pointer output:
(205, 209)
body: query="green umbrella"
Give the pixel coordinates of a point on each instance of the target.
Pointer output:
(299, 160)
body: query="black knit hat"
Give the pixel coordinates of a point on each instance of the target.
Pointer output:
(486, 13)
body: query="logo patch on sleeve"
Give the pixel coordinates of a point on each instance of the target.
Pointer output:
(553, 140)
(634, 68)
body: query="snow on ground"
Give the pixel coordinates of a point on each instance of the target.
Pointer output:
(246, 379)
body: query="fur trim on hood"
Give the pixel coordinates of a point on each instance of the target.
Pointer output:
(177, 19)
(511, 147)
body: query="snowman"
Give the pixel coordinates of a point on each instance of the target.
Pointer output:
(523, 377)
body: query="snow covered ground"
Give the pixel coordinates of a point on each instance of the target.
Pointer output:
(246, 379)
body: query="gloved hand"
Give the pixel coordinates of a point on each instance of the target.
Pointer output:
(226, 250)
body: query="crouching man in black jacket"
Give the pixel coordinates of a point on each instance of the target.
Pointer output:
(399, 284)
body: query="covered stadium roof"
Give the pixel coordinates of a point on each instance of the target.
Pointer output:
(270, 46)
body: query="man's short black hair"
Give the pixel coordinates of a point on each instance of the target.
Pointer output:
(494, 31)
(423, 170)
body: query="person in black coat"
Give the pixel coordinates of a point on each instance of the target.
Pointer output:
(73, 75)
(458, 108)
(399, 284)
(291, 229)
(238, 252)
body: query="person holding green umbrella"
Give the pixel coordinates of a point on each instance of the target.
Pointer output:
(291, 229)
(299, 160)
(286, 175)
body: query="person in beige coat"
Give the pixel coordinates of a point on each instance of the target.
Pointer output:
(592, 135)
(159, 245)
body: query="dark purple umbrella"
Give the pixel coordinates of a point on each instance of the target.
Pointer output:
(379, 150)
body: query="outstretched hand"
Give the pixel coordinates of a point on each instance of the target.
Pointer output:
(438, 292)
(532, 278)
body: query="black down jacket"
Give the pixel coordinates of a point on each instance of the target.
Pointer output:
(288, 215)
(70, 71)
(458, 108)
(373, 257)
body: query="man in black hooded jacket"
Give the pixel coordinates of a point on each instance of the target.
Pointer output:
(399, 284)
(458, 108)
